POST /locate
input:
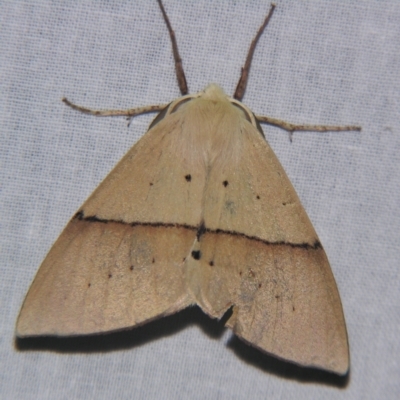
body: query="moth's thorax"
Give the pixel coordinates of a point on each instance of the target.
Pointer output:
(212, 125)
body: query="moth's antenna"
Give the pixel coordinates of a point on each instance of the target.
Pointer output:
(178, 61)
(241, 86)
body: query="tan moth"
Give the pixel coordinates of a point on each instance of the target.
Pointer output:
(199, 211)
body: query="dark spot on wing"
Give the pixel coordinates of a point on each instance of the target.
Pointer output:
(225, 183)
(230, 206)
(79, 215)
(196, 254)
(131, 267)
(151, 183)
(258, 197)
(259, 285)
(211, 263)
(109, 276)
(201, 231)
(188, 177)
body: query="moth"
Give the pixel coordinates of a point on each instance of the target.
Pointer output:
(198, 212)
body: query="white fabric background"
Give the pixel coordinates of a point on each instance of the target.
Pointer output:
(322, 61)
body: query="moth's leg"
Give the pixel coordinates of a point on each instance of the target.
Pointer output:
(287, 126)
(142, 110)
(116, 113)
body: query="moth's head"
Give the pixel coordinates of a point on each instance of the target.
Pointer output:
(214, 92)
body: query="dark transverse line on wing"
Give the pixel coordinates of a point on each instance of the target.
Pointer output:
(200, 230)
